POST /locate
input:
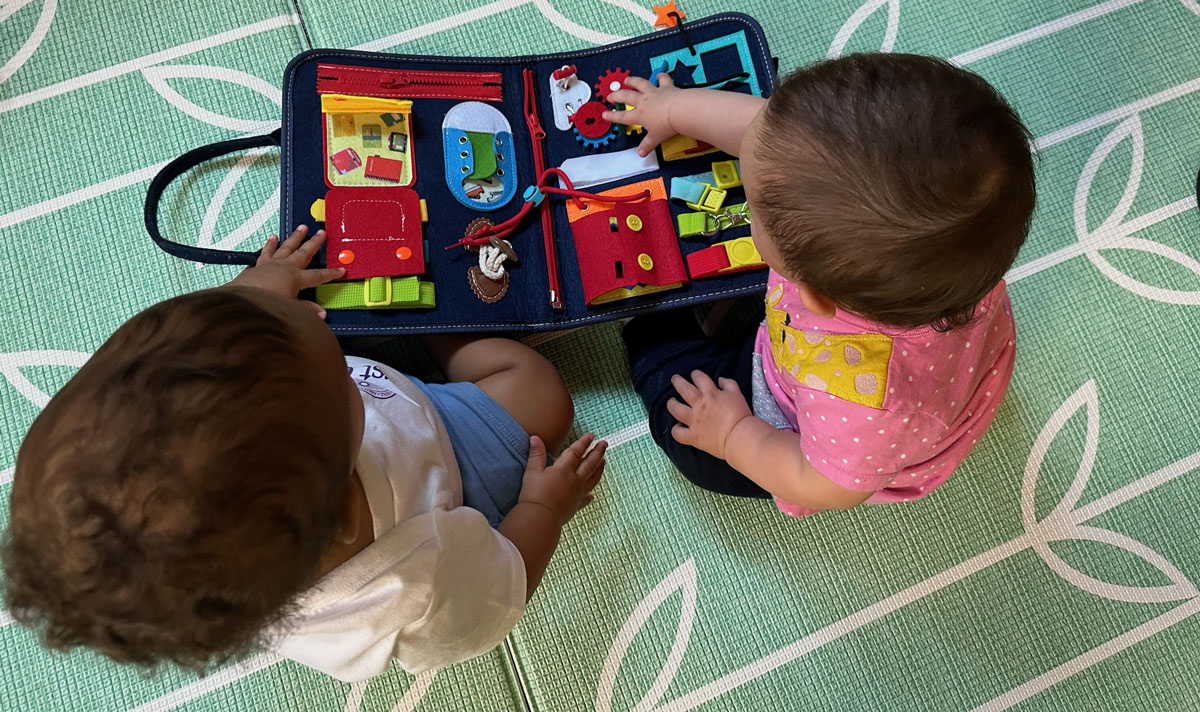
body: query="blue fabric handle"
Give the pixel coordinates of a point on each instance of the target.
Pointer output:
(182, 165)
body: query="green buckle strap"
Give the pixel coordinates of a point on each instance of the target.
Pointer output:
(708, 224)
(378, 293)
(694, 224)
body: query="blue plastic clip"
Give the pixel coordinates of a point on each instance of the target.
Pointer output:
(534, 195)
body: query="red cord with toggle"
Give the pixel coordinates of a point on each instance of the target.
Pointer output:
(483, 236)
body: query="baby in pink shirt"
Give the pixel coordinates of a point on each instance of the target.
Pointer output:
(889, 193)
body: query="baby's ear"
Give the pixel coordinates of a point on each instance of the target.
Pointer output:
(816, 302)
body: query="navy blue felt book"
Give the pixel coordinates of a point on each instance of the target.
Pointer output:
(400, 157)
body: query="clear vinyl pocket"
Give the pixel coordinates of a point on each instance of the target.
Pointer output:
(367, 118)
(368, 141)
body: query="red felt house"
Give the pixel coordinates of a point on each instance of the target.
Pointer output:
(374, 232)
(627, 249)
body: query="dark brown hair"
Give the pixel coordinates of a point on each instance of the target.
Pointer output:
(900, 186)
(177, 493)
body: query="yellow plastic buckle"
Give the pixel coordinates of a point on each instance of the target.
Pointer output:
(710, 200)
(725, 173)
(377, 292)
(742, 253)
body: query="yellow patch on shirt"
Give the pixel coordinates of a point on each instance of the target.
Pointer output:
(852, 367)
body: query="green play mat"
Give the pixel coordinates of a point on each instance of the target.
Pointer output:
(1055, 571)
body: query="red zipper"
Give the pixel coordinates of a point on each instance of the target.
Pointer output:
(408, 83)
(536, 136)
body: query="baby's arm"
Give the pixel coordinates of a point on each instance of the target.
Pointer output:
(717, 117)
(283, 268)
(718, 421)
(549, 497)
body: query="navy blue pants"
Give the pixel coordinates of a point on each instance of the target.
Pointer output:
(663, 344)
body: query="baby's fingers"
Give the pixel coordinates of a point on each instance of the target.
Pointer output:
(316, 308)
(590, 483)
(682, 435)
(649, 143)
(703, 382)
(289, 245)
(571, 457)
(639, 84)
(684, 388)
(305, 252)
(681, 412)
(624, 96)
(268, 249)
(625, 117)
(592, 461)
(313, 277)
(537, 455)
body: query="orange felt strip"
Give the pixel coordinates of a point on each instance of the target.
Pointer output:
(658, 191)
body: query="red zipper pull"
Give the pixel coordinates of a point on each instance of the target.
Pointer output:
(531, 114)
(414, 84)
(395, 80)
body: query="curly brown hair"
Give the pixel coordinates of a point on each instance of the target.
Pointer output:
(179, 491)
(900, 186)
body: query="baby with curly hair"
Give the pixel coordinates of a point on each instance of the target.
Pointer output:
(219, 476)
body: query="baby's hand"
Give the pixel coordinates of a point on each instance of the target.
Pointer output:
(651, 109)
(710, 413)
(281, 268)
(566, 486)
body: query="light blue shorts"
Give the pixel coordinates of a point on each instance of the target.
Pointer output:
(490, 446)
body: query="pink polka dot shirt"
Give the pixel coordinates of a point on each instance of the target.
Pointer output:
(881, 408)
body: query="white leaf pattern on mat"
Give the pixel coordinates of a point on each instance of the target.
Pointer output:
(10, 367)
(1178, 589)
(12, 363)
(1062, 523)
(159, 76)
(1084, 398)
(407, 703)
(633, 8)
(250, 225)
(40, 28)
(566, 25)
(1115, 231)
(1066, 521)
(682, 579)
(860, 16)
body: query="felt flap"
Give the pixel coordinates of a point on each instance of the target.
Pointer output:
(374, 232)
(477, 117)
(631, 244)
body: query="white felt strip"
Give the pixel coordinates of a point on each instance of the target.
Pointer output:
(600, 168)
(476, 116)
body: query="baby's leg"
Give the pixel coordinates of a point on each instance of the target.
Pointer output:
(520, 379)
(663, 344)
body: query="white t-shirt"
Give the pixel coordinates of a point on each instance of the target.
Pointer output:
(438, 585)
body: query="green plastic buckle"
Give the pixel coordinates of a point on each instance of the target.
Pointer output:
(377, 292)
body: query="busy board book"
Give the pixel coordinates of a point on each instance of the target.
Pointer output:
(492, 194)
